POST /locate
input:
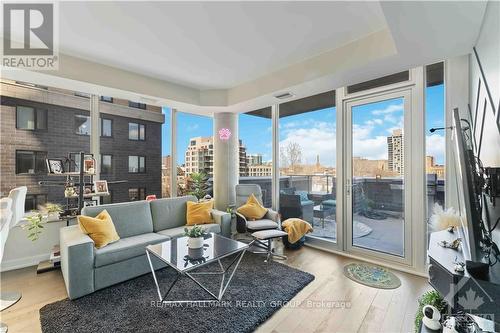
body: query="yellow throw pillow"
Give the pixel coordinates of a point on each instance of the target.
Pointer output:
(199, 212)
(100, 228)
(252, 210)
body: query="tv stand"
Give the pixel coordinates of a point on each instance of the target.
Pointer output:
(463, 291)
(477, 269)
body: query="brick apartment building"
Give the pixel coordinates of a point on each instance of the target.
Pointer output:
(42, 122)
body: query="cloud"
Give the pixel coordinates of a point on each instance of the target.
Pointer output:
(319, 139)
(435, 146)
(374, 148)
(192, 127)
(388, 109)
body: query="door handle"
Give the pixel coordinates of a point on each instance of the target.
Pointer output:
(348, 187)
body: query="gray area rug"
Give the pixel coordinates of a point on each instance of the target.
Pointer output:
(255, 293)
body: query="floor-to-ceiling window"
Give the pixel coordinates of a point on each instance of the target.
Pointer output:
(255, 134)
(194, 143)
(435, 136)
(307, 160)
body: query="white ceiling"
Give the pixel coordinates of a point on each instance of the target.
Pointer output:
(207, 57)
(211, 45)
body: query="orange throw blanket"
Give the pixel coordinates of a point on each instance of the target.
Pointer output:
(296, 229)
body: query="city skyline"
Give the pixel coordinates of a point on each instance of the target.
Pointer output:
(315, 131)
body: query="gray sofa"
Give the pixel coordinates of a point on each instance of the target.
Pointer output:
(140, 223)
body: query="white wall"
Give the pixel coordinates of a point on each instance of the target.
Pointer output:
(488, 50)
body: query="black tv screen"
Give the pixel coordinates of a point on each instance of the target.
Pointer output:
(468, 191)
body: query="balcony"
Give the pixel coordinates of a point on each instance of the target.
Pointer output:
(378, 206)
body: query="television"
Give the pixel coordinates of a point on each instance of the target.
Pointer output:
(469, 190)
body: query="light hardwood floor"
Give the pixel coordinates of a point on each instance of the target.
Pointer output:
(314, 309)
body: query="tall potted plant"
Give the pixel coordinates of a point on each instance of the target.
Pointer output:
(197, 184)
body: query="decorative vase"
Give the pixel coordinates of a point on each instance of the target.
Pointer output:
(195, 242)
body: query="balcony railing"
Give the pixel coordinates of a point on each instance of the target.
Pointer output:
(385, 192)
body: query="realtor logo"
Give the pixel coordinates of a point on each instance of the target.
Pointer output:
(29, 31)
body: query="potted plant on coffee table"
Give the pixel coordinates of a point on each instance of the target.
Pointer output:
(195, 236)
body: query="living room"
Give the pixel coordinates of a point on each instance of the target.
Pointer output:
(198, 167)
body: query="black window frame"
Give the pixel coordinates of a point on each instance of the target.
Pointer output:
(139, 125)
(106, 99)
(110, 165)
(102, 126)
(35, 199)
(34, 153)
(138, 163)
(139, 190)
(137, 105)
(35, 120)
(82, 94)
(75, 128)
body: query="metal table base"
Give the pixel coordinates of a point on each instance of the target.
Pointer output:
(189, 274)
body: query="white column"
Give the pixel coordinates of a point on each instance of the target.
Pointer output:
(275, 115)
(95, 138)
(173, 153)
(226, 160)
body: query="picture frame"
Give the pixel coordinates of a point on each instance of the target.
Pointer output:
(55, 165)
(89, 166)
(90, 203)
(101, 186)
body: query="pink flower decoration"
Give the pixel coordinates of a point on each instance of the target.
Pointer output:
(224, 134)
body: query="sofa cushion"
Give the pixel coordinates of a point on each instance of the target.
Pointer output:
(262, 224)
(199, 212)
(252, 210)
(329, 202)
(306, 203)
(100, 228)
(130, 218)
(303, 195)
(169, 212)
(126, 248)
(179, 231)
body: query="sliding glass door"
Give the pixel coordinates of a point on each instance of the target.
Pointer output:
(376, 184)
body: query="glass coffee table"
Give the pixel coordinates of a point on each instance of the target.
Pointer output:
(176, 254)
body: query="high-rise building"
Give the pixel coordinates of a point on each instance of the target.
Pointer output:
(166, 165)
(395, 148)
(199, 156)
(254, 159)
(40, 122)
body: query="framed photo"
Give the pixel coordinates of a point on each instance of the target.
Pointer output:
(55, 165)
(101, 186)
(89, 166)
(90, 203)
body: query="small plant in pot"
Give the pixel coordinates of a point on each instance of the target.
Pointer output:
(195, 234)
(53, 211)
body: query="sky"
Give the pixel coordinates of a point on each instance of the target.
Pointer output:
(315, 131)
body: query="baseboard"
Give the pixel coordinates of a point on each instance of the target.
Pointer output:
(372, 261)
(9, 265)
